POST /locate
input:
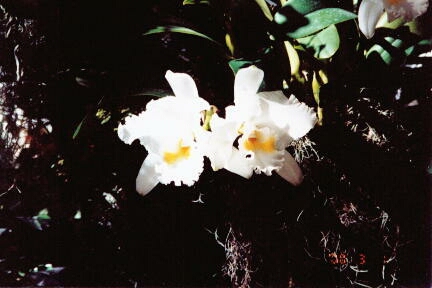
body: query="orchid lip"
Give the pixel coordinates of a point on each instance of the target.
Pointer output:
(256, 142)
(182, 152)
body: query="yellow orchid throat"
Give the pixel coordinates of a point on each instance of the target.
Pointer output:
(256, 142)
(182, 152)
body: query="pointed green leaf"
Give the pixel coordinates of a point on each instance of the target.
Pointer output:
(293, 58)
(153, 93)
(192, 2)
(321, 19)
(77, 130)
(265, 9)
(178, 29)
(324, 44)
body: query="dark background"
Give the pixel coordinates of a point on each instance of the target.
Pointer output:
(81, 56)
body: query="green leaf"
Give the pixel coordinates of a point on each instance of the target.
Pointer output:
(324, 43)
(422, 45)
(387, 53)
(237, 64)
(384, 53)
(178, 29)
(304, 6)
(293, 57)
(77, 130)
(43, 215)
(321, 19)
(153, 93)
(193, 2)
(265, 9)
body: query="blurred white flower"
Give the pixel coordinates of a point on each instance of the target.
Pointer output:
(257, 130)
(169, 129)
(370, 12)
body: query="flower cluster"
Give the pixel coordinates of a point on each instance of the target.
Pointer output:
(252, 137)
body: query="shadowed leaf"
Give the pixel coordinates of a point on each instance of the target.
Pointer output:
(316, 21)
(178, 29)
(324, 43)
(153, 93)
(237, 64)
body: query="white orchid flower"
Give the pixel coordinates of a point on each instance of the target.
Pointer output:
(169, 129)
(263, 125)
(370, 12)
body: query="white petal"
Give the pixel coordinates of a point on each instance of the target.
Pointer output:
(238, 164)
(246, 84)
(267, 162)
(186, 104)
(131, 130)
(220, 142)
(368, 15)
(182, 84)
(301, 117)
(263, 161)
(170, 106)
(147, 177)
(167, 121)
(408, 9)
(290, 114)
(290, 170)
(186, 171)
(275, 96)
(220, 148)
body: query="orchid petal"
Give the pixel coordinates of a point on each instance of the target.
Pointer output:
(237, 164)
(369, 13)
(261, 147)
(290, 170)
(289, 113)
(220, 142)
(267, 163)
(147, 177)
(408, 9)
(300, 117)
(131, 130)
(245, 111)
(186, 171)
(246, 84)
(182, 85)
